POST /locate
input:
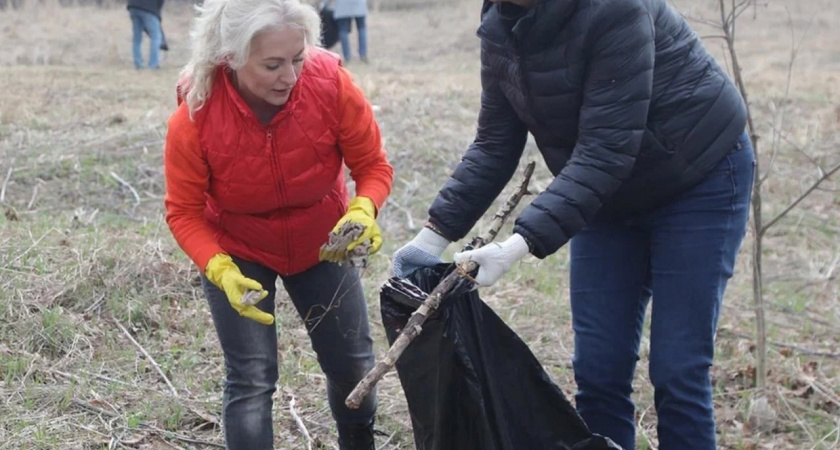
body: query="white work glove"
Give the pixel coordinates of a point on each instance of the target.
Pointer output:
(495, 259)
(422, 251)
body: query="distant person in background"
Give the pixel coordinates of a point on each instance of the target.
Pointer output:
(345, 12)
(329, 29)
(145, 17)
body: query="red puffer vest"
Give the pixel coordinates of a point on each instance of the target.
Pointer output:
(276, 190)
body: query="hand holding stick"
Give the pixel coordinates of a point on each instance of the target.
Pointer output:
(414, 325)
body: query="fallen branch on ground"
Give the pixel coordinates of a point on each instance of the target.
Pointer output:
(148, 357)
(299, 423)
(794, 347)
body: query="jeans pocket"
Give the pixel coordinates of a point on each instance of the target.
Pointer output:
(733, 161)
(742, 143)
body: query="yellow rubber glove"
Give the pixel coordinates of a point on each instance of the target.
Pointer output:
(223, 272)
(362, 211)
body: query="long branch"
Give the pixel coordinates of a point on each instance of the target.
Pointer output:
(148, 357)
(805, 194)
(414, 325)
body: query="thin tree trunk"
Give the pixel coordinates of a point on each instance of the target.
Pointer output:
(728, 21)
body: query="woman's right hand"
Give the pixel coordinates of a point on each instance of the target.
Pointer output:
(225, 274)
(422, 251)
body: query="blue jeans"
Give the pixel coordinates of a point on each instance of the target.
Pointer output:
(330, 301)
(344, 25)
(145, 21)
(682, 255)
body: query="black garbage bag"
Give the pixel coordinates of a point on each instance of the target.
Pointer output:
(471, 383)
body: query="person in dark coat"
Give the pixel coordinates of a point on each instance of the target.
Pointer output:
(146, 18)
(644, 134)
(345, 13)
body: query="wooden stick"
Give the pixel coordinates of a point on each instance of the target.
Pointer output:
(415, 324)
(127, 185)
(6, 181)
(299, 423)
(148, 357)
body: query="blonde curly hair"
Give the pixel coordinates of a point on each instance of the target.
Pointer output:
(222, 33)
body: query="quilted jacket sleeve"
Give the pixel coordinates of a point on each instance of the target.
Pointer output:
(616, 97)
(487, 165)
(361, 142)
(187, 179)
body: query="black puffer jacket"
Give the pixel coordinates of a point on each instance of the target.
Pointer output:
(152, 6)
(626, 106)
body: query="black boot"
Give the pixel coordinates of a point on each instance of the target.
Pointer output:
(356, 437)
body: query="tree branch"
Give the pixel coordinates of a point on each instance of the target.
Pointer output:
(414, 325)
(148, 357)
(814, 186)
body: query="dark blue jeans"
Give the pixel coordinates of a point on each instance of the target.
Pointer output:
(682, 255)
(330, 301)
(344, 25)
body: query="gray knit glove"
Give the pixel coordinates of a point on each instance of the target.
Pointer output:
(422, 251)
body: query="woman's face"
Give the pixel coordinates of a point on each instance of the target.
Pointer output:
(272, 68)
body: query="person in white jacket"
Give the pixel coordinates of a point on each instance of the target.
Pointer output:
(344, 13)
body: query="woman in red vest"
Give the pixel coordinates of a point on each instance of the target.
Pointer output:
(254, 160)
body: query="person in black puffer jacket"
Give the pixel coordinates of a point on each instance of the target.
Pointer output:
(145, 17)
(645, 136)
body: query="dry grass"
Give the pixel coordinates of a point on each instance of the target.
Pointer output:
(85, 256)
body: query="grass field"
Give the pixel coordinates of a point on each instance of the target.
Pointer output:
(105, 339)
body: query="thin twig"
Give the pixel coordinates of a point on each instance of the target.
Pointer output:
(6, 181)
(795, 146)
(148, 357)
(821, 389)
(94, 409)
(820, 443)
(299, 423)
(814, 186)
(104, 378)
(712, 36)
(144, 426)
(797, 348)
(727, 24)
(34, 196)
(802, 424)
(415, 324)
(129, 186)
(169, 444)
(782, 117)
(803, 405)
(641, 426)
(163, 434)
(409, 219)
(31, 247)
(388, 441)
